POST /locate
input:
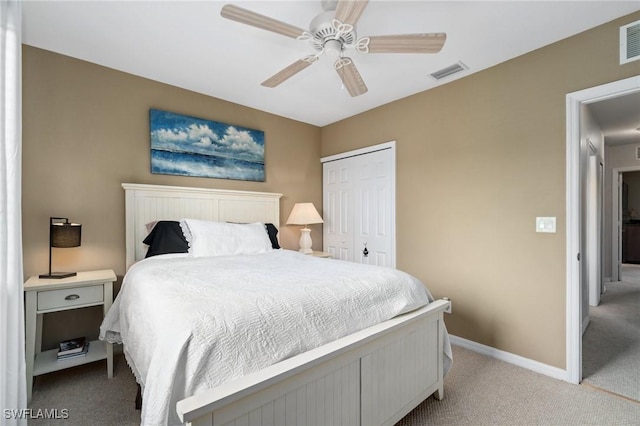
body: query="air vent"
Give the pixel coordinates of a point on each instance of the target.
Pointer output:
(638, 152)
(450, 70)
(630, 42)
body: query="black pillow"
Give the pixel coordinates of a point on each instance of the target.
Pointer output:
(166, 237)
(273, 235)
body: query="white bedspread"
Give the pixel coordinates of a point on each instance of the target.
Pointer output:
(189, 324)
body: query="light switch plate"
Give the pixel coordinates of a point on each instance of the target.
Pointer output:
(546, 224)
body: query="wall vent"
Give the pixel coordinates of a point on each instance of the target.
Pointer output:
(638, 152)
(630, 42)
(450, 70)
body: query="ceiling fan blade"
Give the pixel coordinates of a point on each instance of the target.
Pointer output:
(350, 76)
(349, 11)
(289, 71)
(408, 43)
(254, 19)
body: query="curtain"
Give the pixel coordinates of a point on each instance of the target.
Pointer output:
(13, 393)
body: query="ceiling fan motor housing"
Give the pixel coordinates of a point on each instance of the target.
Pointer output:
(322, 29)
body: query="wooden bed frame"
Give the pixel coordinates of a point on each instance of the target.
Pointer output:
(373, 377)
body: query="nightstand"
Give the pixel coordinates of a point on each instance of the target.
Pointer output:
(91, 288)
(324, 254)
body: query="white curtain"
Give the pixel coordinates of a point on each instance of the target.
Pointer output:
(13, 393)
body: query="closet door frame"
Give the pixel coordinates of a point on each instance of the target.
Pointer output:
(391, 146)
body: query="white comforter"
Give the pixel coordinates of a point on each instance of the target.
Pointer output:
(189, 324)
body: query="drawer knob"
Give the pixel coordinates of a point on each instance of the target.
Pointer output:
(72, 297)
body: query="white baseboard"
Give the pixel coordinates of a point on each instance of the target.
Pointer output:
(520, 361)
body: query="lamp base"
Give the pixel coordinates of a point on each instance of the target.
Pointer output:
(305, 241)
(57, 275)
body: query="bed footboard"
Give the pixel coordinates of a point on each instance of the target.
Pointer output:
(375, 376)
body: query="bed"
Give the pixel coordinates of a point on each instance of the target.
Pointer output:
(204, 362)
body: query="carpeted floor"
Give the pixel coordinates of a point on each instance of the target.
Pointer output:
(478, 391)
(88, 395)
(611, 343)
(484, 391)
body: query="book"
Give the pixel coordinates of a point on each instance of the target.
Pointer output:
(83, 352)
(71, 346)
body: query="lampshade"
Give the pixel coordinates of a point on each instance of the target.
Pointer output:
(62, 234)
(65, 235)
(304, 214)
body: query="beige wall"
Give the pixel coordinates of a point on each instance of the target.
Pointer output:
(477, 160)
(85, 131)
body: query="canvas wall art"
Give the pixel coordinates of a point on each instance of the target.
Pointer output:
(189, 146)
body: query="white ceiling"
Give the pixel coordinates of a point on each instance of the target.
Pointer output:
(189, 45)
(619, 118)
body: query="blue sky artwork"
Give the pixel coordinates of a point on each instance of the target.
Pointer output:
(189, 146)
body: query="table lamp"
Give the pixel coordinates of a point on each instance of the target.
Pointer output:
(62, 234)
(304, 214)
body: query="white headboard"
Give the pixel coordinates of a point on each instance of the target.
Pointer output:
(146, 203)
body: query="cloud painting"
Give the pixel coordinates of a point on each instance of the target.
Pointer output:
(188, 146)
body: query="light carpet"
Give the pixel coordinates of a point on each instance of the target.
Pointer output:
(480, 390)
(611, 343)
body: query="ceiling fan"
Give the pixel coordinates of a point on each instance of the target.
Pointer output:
(332, 32)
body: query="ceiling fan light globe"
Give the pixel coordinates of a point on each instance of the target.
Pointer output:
(333, 49)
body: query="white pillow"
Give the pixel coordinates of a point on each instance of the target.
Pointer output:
(207, 238)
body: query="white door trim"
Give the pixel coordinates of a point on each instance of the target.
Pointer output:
(594, 228)
(366, 150)
(573, 199)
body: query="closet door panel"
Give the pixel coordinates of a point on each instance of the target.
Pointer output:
(338, 209)
(374, 241)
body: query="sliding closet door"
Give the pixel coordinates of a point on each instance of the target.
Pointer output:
(359, 205)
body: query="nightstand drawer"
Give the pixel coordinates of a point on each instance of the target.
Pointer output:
(67, 297)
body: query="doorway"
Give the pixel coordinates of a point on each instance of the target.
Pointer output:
(611, 344)
(625, 217)
(575, 216)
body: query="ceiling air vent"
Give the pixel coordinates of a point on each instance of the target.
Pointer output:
(630, 42)
(450, 70)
